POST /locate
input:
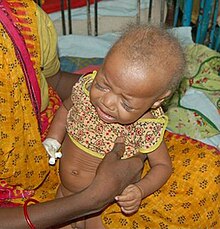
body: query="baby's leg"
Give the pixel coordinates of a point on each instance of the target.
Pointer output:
(76, 225)
(94, 222)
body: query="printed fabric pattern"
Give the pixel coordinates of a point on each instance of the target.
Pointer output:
(24, 164)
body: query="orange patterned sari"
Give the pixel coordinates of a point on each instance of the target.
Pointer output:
(24, 168)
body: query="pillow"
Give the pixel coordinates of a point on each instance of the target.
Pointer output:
(72, 64)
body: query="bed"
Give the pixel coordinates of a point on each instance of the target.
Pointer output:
(86, 34)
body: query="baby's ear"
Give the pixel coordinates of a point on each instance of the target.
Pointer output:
(161, 99)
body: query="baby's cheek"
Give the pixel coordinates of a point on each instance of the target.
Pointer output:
(125, 117)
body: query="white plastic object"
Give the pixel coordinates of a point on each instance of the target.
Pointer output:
(52, 146)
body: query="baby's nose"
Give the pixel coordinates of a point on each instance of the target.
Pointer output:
(109, 100)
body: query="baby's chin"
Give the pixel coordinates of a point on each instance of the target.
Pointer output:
(109, 122)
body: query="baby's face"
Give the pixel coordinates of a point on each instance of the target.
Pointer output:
(119, 95)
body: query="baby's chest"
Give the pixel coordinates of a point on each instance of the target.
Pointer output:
(99, 137)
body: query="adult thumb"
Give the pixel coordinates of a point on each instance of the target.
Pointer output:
(119, 147)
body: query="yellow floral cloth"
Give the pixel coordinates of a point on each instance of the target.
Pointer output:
(24, 168)
(97, 137)
(50, 63)
(191, 197)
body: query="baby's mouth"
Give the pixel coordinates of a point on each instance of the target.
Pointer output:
(104, 116)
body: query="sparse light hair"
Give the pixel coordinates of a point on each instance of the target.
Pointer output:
(152, 47)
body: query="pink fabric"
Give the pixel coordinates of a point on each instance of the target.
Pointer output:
(87, 69)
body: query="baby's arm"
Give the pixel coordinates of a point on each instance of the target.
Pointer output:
(57, 129)
(161, 169)
(57, 132)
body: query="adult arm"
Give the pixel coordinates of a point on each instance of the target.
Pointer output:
(62, 83)
(106, 185)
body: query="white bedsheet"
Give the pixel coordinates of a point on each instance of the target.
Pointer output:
(90, 46)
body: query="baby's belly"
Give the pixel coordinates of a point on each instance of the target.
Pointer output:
(77, 168)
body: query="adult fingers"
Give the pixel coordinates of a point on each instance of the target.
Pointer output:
(119, 147)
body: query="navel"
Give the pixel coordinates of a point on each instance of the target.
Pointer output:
(75, 172)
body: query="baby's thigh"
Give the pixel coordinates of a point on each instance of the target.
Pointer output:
(77, 224)
(94, 222)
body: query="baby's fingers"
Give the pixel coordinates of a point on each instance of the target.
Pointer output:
(125, 201)
(121, 198)
(124, 197)
(128, 211)
(130, 207)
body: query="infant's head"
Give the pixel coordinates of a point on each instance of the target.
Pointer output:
(140, 70)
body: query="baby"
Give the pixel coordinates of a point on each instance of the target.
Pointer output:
(123, 98)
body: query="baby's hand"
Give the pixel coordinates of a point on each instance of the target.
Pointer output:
(130, 199)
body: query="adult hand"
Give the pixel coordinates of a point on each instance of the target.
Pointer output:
(114, 173)
(62, 83)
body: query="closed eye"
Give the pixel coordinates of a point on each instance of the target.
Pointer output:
(127, 107)
(100, 87)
